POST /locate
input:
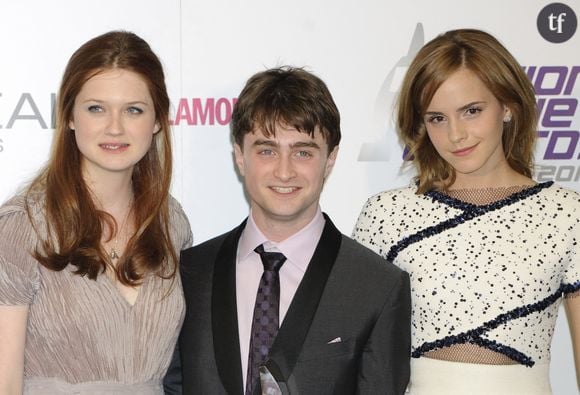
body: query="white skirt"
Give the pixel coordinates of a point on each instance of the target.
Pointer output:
(434, 377)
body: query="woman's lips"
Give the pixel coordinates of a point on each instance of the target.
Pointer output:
(464, 151)
(114, 147)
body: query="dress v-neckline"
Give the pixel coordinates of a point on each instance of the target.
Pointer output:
(119, 295)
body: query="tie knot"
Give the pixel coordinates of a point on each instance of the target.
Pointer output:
(272, 261)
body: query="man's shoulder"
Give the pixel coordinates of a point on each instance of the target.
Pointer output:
(365, 259)
(368, 276)
(192, 254)
(197, 263)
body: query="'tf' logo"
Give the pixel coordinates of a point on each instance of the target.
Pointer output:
(557, 22)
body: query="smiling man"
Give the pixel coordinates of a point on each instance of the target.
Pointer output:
(285, 303)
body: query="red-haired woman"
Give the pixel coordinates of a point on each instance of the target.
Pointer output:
(90, 299)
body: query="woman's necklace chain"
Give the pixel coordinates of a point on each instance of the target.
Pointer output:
(113, 254)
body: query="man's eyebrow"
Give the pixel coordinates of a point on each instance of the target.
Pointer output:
(305, 144)
(268, 143)
(298, 144)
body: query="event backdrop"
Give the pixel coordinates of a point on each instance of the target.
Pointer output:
(361, 49)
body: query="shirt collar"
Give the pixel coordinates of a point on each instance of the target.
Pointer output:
(298, 248)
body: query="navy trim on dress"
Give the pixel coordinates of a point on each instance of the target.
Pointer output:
(470, 211)
(475, 335)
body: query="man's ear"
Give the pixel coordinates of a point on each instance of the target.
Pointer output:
(330, 161)
(239, 157)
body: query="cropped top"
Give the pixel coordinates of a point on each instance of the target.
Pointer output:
(491, 275)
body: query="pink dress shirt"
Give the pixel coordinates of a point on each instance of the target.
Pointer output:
(298, 250)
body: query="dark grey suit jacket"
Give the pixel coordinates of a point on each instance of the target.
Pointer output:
(347, 292)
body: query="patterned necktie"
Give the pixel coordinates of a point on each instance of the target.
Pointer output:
(265, 321)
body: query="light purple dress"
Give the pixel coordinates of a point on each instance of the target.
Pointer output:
(82, 336)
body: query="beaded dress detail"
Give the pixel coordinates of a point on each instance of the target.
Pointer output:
(488, 267)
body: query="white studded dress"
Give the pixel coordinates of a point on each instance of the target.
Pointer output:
(488, 277)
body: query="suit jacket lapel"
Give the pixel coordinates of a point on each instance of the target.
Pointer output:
(292, 334)
(224, 314)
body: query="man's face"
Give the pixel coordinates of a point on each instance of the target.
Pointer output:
(284, 176)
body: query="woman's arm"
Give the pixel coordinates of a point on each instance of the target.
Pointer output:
(13, 320)
(572, 305)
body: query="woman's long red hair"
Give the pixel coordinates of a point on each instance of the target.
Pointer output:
(75, 225)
